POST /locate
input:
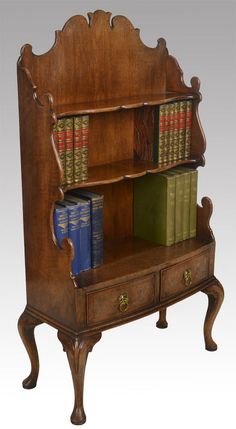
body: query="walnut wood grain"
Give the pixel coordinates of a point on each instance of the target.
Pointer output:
(215, 293)
(77, 350)
(26, 326)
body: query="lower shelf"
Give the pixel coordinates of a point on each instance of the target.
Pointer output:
(129, 257)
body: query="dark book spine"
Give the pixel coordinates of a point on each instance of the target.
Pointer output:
(60, 219)
(188, 129)
(74, 235)
(97, 232)
(171, 133)
(85, 236)
(69, 150)
(167, 134)
(84, 149)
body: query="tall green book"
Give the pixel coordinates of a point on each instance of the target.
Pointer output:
(179, 200)
(154, 208)
(191, 188)
(185, 212)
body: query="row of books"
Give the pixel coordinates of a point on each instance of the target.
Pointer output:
(80, 217)
(71, 138)
(165, 206)
(172, 132)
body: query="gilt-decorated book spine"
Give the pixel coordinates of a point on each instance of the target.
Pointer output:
(84, 149)
(61, 144)
(73, 232)
(161, 136)
(60, 220)
(188, 127)
(171, 133)
(193, 204)
(77, 148)
(69, 151)
(96, 208)
(167, 134)
(176, 133)
(85, 235)
(182, 124)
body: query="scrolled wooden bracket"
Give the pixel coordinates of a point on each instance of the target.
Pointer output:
(204, 231)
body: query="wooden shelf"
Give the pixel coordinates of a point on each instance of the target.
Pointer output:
(135, 256)
(120, 170)
(111, 105)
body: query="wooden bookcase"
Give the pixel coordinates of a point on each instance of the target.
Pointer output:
(101, 67)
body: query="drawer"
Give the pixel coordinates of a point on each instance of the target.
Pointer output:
(120, 300)
(180, 277)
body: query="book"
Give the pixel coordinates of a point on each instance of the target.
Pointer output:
(171, 133)
(154, 208)
(166, 134)
(176, 133)
(73, 232)
(96, 211)
(60, 140)
(60, 220)
(185, 215)
(69, 150)
(188, 129)
(159, 134)
(182, 124)
(77, 148)
(179, 196)
(84, 148)
(84, 235)
(192, 216)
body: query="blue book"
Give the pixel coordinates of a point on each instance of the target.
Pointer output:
(84, 240)
(73, 232)
(96, 209)
(60, 219)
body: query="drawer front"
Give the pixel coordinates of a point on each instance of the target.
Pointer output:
(116, 302)
(185, 275)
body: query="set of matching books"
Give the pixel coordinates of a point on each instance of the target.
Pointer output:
(165, 206)
(71, 139)
(172, 132)
(80, 217)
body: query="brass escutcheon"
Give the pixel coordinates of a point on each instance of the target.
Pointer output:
(123, 302)
(187, 276)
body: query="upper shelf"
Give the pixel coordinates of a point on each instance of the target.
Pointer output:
(120, 170)
(111, 105)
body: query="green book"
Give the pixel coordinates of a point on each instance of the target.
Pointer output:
(186, 178)
(179, 200)
(154, 208)
(193, 204)
(191, 195)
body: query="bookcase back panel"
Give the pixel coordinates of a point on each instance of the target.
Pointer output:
(97, 60)
(111, 137)
(118, 209)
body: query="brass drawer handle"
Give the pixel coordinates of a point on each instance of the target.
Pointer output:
(123, 302)
(187, 276)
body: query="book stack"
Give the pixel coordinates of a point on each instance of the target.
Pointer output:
(71, 139)
(80, 217)
(172, 132)
(165, 206)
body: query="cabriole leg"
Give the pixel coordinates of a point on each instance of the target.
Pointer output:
(77, 350)
(215, 295)
(162, 322)
(26, 326)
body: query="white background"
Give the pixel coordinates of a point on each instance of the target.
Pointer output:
(137, 376)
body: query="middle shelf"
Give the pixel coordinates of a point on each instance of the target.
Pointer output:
(119, 170)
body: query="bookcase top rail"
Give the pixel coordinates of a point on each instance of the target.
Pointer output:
(119, 103)
(120, 170)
